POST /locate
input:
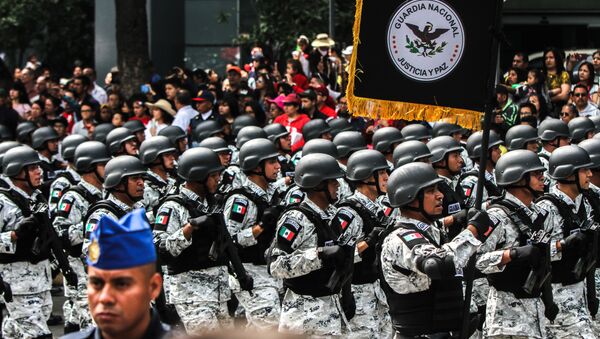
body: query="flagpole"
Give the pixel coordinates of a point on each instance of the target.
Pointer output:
(487, 122)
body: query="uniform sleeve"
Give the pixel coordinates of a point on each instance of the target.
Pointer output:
(295, 253)
(469, 187)
(7, 216)
(489, 259)
(90, 225)
(240, 216)
(69, 217)
(552, 225)
(151, 197)
(56, 191)
(351, 224)
(171, 217)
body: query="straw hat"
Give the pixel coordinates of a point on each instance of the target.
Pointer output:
(162, 104)
(323, 40)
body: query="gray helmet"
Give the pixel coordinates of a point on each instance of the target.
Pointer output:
(248, 133)
(364, 163)
(152, 148)
(407, 181)
(120, 168)
(339, 125)
(40, 136)
(314, 169)
(513, 166)
(255, 151)
(518, 136)
(207, 129)
(410, 151)
(567, 160)
(242, 121)
(474, 143)
(384, 138)
(322, 146)
(134, 126)
(88, 154)
(101, 131)
(579, 128)
(215, 144)
(69, 144)
(596, 120)
(174, 133)
(315, 129)
(348, 142)
(5, 146)
(442, 145)
(24, 130)
(16, 159)
(197, 163)
(117, 137)
(5, 133)
(592, 147)
(550, 129)
(415, 132)
(275, 131)
(445, 128)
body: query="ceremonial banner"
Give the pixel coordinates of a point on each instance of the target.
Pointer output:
(421, 60)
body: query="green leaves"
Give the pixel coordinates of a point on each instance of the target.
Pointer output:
(411, 46)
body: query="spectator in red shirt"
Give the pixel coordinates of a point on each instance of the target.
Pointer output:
(140, 112)
(295, 76)
(292, 120)
(322, 96)
(309, 105)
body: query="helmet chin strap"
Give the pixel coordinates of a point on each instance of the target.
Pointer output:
(527, 186)
(325, 189)
(126, 192)
(375, 183)
(420, 198)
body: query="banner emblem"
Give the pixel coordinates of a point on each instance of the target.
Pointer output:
(425, 39)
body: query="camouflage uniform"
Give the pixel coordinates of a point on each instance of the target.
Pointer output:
(30, 283)
(232, 178)
(544, 156)
(390, 213)
(469, 187)
(371, 319)
(468, 162)
(507, 315)
(155, 188)
(344, 191)
(58, 186)
(262, 303)
(92, 220)
(200, 296)
(397, 256)
(72, 209)
(304, 314)
(573, 320)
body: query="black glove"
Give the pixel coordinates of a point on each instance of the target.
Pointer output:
(551, 311)
(593, 306)
(481, 221)
(460, 218)
(348, 303)
(373, 237)
(5, 290)
(331, 255)
(71, 278)
(574, 242)
(203, 222)
(268, 222)
(246, 282)
(527, 253)
(26, 227)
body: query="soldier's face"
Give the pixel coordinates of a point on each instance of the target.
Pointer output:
(35, 175)
(168, 160)
(584, 177)
(532, 146)
(131, 147)
(182, 144)
(212, 182)
(285, 143)
(536, 181)
(225, 158)
(432, 200)
(455, 162)
(100, 170)
(53, 146)
(382, 176)
(495, 154)
(327, 136)
(135, 186)
(333, 186)
(563, 141)
(272, 168)
(119, 299)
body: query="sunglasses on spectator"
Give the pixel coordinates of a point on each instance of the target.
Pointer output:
(564, 114)
(580, 95)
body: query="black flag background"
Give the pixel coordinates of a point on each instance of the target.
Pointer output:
(424, 80)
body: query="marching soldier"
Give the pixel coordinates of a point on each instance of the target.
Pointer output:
(421, 269)
(307, 251)
(569, 221)
(45, 141)
(122, 141)
(137, 128)
(581, 128)
(89, 160)
(507, 257)
(347, 143)
(186, 229)
(26, 271)
(68, 177)
(177, 137)
(251, 220)
(416, 132)
(385, 140)
(411, 151)
(553, 133)
(456, 132)
(158, 154)
(522, 137)
(360, 213)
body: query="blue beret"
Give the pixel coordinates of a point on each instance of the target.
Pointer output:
(121, 244)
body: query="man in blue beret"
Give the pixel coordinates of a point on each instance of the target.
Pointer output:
(122, 280)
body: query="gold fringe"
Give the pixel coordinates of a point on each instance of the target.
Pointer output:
(396, 110)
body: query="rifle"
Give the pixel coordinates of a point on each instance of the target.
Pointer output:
(538, 281)
(49, 238)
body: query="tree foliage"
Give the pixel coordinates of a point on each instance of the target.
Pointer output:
(281, 22)
(58, 31)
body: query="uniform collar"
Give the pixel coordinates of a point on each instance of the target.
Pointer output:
(327, 214)
(422, 226)
(90, 188)
(33, 195)
(489, 176)
(119, 203)
(365, 201)
(530, 210)
(564, 197)
(193, 196)
(543, 151)
(155, 176)
(254, 188)
(74, 173)
(44, 159)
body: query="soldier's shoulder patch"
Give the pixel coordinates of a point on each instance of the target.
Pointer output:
(57, 192)
(422, 226)
(494, 219)
(468, 187)
(65, 204)
(411, 238)
(453, 208)
(163, 217)
(343, 218)
(239, 208)
(90, 226)
(289, 230)
(296, 197)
